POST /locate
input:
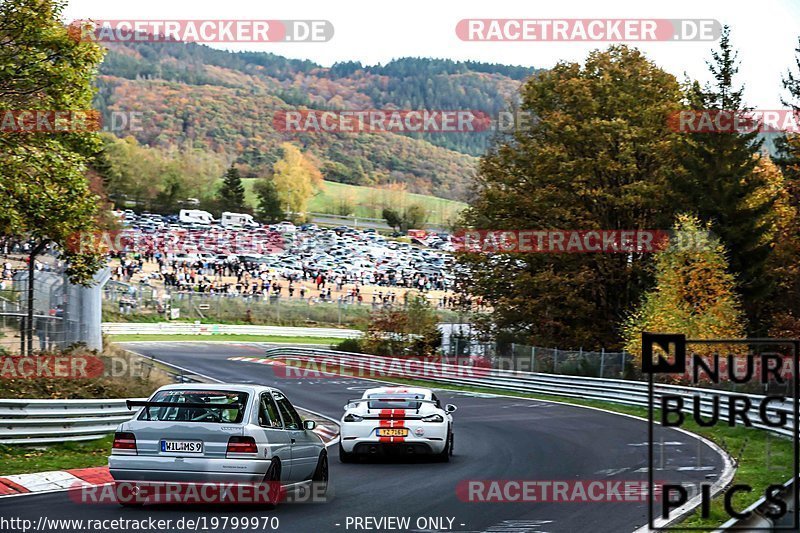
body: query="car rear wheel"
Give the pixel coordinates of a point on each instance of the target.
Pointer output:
(273, 480)
(345, 457)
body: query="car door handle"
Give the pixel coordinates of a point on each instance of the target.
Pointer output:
(293, 441)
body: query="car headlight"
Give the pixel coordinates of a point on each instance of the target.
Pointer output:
(433, 418)
(350, 417)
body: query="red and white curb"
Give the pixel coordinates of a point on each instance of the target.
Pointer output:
(62, 480)
(57, 480)
(259, 360)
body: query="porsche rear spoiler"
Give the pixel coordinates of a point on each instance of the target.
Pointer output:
(398, 400)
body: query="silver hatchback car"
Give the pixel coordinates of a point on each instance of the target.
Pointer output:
(203, 433)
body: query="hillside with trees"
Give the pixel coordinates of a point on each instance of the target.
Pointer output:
(192, 97)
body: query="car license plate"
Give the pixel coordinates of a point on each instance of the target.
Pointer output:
(182, 446)
(392, 432)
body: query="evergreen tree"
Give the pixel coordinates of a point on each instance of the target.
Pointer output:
(719, 180)
(231, 192)
(268, 209)
(785, 268)
(392, 218)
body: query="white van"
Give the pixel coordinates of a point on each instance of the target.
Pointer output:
(189, 216)
(237, 220)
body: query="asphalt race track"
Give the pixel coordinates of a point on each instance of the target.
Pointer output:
(495, 438)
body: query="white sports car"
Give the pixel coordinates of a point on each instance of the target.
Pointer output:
(396, 420)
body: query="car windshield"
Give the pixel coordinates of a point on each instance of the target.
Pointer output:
(215, 412)
(395, 401)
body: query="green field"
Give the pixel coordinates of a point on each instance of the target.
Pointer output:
(343, 199)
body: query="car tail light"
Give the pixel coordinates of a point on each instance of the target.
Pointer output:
(124, 443)
(238, 445)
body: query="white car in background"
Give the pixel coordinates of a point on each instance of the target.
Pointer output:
(396, 420)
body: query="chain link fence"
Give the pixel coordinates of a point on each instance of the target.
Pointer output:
(130, 302)
(64, 314)
(461, 343)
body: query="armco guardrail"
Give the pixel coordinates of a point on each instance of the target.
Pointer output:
(609, 390)
(604, 389)
(38, 421)
(188, 328)
(50, 421)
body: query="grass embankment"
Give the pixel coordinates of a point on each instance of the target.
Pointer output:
(137, 381)
(362, 201)
(63, 456)
(226, 338)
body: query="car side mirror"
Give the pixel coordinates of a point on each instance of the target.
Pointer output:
(309, 424)
(450, 408)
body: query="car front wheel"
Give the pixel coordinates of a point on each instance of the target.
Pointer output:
(320, 477)
(444, 455)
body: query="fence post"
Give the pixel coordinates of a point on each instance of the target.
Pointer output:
(22, 335)
(555, 361)
(622, 366)
(31, 285)
(533, 358)
(602, 360)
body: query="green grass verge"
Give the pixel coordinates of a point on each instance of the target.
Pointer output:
(226, 338)
(62, 456)
(748, 447)
(364, 201)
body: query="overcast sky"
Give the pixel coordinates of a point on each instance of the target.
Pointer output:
(765, 32)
